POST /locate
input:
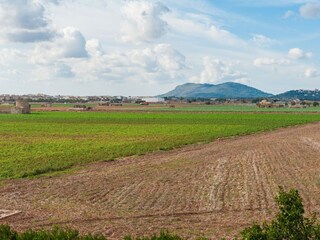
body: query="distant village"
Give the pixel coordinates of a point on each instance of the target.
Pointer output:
(7, 98)
(21, 104)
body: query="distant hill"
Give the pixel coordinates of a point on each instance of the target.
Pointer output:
(224, 90)
(300, 94)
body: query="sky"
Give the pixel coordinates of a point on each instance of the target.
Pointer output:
(148, 47)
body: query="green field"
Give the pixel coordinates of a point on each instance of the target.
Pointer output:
(42, 143)
(67, 105)
(192, 108)
(220, 108)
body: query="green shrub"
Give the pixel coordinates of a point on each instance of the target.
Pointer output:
(290, 223)
(6, 233)
(163, 236)
(255, 232)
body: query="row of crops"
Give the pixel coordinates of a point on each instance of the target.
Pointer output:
(42, 143)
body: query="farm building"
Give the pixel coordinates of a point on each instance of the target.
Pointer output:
(264, 104)
(22, 107)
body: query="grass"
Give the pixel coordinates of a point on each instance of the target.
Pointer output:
(222, 108)
(195, 108)
(57, 233)
(67, 105)
(42, 143)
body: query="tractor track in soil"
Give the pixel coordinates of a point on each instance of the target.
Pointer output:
(211, 190)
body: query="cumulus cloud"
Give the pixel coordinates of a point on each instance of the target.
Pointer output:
(262, 41)
(267, 61)
(310, 10)
(297, 53)
(159, 63)
(311, 72)
(69, 43)
(216, 71)
(160, 58)
(56, 70)
(142, 21)
(99, 68)
(62, 70)
(94, 47)
(8, 56)
(24, 21)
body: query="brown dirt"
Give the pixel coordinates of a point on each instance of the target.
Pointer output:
(211, 190)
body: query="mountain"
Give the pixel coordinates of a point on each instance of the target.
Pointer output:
(300, 94)
(224, 90)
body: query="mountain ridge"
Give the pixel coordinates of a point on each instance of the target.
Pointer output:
(223, 90)
(300, 94)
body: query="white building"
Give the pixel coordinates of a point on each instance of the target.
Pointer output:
(153, 100)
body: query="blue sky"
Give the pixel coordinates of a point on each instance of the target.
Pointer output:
(147, 47)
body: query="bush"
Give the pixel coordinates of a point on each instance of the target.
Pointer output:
(289, 223)
(162, 236)
(6, 233)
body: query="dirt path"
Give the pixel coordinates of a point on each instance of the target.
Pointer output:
(201, 190)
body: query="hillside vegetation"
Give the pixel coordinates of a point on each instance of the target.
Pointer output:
(224, 90)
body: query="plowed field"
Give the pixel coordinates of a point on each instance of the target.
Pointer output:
(211, 190)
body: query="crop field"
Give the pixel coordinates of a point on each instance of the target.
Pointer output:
(213, 108)
(212, 190)
(234, 108)
(66, 105)
(42, 143)
(180, 107)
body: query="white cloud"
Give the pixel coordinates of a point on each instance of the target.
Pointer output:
(9, 56)
(297, 53)
(201, 27)
(267, 61)
(70, 43)
(216, 71)
(311, 72)
(53, 71)
(62, 70)
(160, 58)
(159, 63)
(310, 10)
(242, 80)
(294, 54)
(288, 14)
(10, 59)
(24, 21)
(94, 47)
(142, 21)
(262, 41)
(269, 3)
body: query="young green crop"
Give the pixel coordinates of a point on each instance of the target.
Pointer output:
(220, 108)
(47, 142)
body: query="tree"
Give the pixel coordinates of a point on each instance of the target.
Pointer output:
(315, 104)
(290, 223)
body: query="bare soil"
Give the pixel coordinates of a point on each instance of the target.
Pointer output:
(211, 190)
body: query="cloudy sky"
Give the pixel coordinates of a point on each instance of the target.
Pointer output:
(146, 47)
